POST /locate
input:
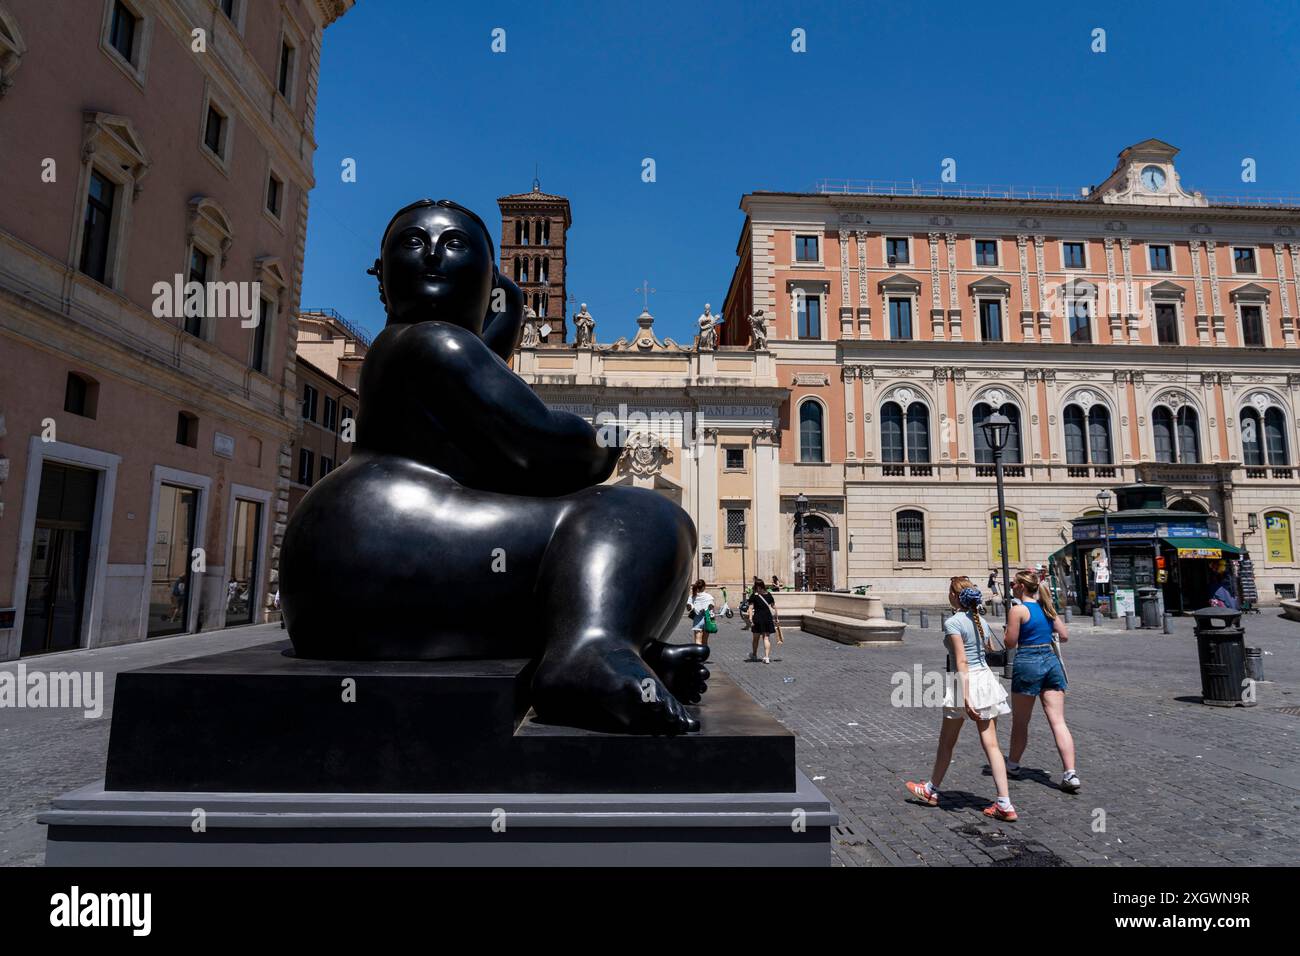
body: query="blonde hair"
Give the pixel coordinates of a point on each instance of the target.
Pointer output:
(1032, 584)
(955, 586)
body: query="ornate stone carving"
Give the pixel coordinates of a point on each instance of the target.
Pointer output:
(644, 455)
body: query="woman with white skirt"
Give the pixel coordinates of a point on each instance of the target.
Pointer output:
(975, 693)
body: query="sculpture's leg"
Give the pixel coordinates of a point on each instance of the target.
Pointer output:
(613, 578)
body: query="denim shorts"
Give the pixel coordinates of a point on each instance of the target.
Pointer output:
(1036, 669)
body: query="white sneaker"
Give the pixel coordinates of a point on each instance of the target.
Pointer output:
(1071, 783)
(767, 660)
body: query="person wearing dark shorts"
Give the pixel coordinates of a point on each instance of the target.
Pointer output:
(762, 620)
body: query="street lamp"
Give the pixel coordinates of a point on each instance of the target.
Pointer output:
(996, 428)
(743, 576)
(1103, 502)
(801, 509)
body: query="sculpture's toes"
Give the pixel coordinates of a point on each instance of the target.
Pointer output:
(681, 667)
(612, 692)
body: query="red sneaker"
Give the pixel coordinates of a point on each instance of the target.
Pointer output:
(928, 797)
(997, 813)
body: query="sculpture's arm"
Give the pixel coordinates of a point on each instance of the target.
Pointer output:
(501, 328)
(492, 415)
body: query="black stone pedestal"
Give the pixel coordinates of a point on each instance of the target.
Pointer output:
(300, 762)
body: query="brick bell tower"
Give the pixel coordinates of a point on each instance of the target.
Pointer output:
(534, 230)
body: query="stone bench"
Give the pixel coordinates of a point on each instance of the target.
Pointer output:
(1291, 609)
(847, 618)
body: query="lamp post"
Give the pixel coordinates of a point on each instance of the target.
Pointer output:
(801, 509)
(744, 578)
(996, 428)
(1103, 502)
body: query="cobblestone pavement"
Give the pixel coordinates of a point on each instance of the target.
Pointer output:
(1174, 782)
(1179, 783)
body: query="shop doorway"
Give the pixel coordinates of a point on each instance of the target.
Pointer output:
(241, 589)
(56, 582)
(171, 586)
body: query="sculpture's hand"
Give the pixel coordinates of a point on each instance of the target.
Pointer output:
(503, 323)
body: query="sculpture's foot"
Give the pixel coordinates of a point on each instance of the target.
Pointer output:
(607, 690)
(681, 667)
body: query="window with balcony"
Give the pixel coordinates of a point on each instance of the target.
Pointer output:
(1176, 435)
(1012, 453)
(1087, 435)
(1263, 438)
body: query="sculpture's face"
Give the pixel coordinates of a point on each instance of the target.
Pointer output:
(437, 264)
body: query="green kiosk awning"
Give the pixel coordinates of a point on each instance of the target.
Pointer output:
(1201, 547)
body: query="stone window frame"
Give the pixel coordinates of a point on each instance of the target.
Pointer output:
(111, 147)
(818, 288)
(890, 394)
(742, 505)
(744, 467)
(923, 564)
(798, 429)
(12, 49)
(1076, 290)
(1075, 396)
(273, 168)
(217, 100)
(1173, 257)
(1185, 398)
(1254, 251)
(137, 67)
(237, 16)
(289, 36)
(274, 282)
(974, 252)
(1170, 294)
(208, 228)
(1250, 402)
(820, 236)
(1251, 294)
(993, 289)
(1087, 255)
(884, 250)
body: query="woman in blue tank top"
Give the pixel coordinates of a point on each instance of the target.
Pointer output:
(1032, 629)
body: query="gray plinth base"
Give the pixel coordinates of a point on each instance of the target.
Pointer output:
(95, 827)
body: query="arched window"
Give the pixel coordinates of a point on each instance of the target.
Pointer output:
(905, 436)
(1275, 437)
(918, 433)
(1076, 448)
(1189, 435)
(1099, 448)
(811, 444)
(1252, 437)
(1087, 435)
(910, 527)
(891, 432)
(1162, 425)
(1177, 435)
(1012, 453)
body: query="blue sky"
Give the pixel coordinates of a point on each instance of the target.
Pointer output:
(714, 94)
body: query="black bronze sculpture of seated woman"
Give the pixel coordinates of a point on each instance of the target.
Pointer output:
(470, 521)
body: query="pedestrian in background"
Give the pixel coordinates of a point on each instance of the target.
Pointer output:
(1035, 630)
(982, 700)
(762, 620)
(701, 610)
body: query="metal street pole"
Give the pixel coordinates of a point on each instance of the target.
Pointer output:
(744, 577)
(1002, 530)
(1110, 571)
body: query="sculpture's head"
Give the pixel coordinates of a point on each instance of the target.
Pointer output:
(436, 261)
